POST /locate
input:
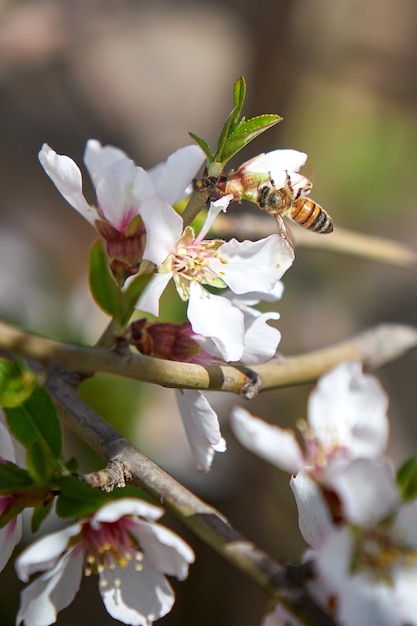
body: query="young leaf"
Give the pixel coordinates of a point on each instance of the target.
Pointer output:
(203, 145)
(16, 383)
(245, 132)
(13, 479)
(37, 426)
(77, 499)
(104, 288)
(407, 478)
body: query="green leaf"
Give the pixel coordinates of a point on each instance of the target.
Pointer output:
(203, 145)
(39, 514)
(17, 382)
(13, 479)
(131, 296)
(407, 478)
(231, 122)
(37, 426)
(77, 499)
(104, 288)
(245, 132)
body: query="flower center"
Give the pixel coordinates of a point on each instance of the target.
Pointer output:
(378, 550)
(110, 546)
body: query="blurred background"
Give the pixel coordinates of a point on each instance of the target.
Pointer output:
(140, 75)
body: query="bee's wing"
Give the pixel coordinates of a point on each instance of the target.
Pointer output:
(284, 230)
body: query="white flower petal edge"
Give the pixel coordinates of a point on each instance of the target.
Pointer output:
(167, 552)
(277, 161)
(66, 176)
(10, 536)
(201, 426)
(250, 266)
(126, 506)
(98, 158)
(136, 597)
(44, 553)
(7, 449)
(271, 443)
(366, 487)
(348, 408)
(215, 317)
(313, 515)
(172, 177)
(42, 600)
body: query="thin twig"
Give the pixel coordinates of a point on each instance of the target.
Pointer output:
(373, 348)
(279, 581)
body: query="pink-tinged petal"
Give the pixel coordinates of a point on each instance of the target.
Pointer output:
(120, 191)
(248, 266)
(261, 340)
(163, 229)
(172, 177)
(349, 409)
(277, 161)
(149, 299)
(7, 449)
(314, 518)
(41, 601)
(271, 443)
(201, 426)
(215, 317)
(10, 535)
(66, 177)
(113, 511)
(166, 552)
(136, 596)
(98, 158)
(43, 554)
(366, 488)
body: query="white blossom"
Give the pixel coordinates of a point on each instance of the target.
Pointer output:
(123, 545)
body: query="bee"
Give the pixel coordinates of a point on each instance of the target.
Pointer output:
(286, 202)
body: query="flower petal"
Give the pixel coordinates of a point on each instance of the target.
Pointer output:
(216, 317)
(167, 552)
(349, 409)
(271, 443)
(201, 426)
(42, 600)
(113, 511)
(261, 339)
(45, 552)
(276, 161)
(366, 488)
(248, 266)
(98, 158)
(172, 177)
(120, 191)
(66, 176)
(7, 449)
(149, 298)
(163, 229)
(136, 596)
(10, 535)
(313, 515)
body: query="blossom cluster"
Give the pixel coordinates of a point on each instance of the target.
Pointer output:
(360, 529)
(221, 281)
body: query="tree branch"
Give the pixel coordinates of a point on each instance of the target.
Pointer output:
(372, 348)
